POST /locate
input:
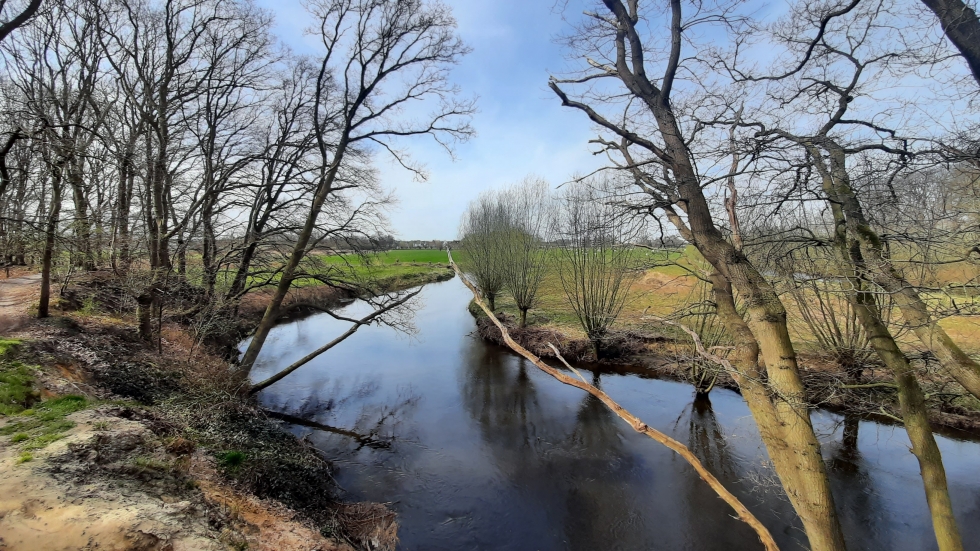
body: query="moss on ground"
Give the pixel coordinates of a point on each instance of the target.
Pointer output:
(16, 380)
(35, 428)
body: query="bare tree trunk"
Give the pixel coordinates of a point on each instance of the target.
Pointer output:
(50, 232)
(916, 314)
(916, 419)
(797, 456)
(82, 224)
(791, 447)
(366, 320)
(299, 251)
(809, 487)
(914, 413)
(124, 196)
(962, 28)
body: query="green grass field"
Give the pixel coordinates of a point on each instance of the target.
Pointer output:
(362, 269)
(378, 266)
(667, 285)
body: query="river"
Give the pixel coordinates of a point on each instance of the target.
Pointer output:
(477, 449)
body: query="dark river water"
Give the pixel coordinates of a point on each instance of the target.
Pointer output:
(477, 449)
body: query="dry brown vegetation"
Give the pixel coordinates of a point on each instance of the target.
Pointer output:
(183, 434)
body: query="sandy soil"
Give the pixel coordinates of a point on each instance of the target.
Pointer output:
(17, 294)
(110, 484)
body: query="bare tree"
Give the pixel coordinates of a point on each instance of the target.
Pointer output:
(379, 57)
(595, 256)
(830, 74)
(613, 45)
(527, 211)
(482, 240)
(55, 67)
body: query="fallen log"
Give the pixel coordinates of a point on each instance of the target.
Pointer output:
(639, 426)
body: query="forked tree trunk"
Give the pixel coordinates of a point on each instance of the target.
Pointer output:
(789, 438)
(803, 470)
(911, 400)
(914, 311)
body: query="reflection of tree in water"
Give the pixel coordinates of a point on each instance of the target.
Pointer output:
(602, 505)
(376, 424)
(854, 493)
(706, 439)
(846, 456)
(709, 524)
(502, 399)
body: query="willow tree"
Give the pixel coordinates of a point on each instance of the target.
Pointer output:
(482, 240)
(527, 211)
(595, 256)
(645, 131)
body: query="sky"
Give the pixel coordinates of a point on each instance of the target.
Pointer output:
(521, 128)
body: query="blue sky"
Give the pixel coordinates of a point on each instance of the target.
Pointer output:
(521, 127)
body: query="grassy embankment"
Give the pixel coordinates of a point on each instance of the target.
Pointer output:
(668, 286)
(389, 269)
(31, 423)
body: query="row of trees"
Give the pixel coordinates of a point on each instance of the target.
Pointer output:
(511, 238)
(752, 127)
(178, 143)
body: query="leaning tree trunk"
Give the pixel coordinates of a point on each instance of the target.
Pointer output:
(962, 28)
(910, 396)
(804, 474)
(789, 445)
(914, 311)
(299, 251)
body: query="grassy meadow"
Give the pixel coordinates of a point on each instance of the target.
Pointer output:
(668, 285)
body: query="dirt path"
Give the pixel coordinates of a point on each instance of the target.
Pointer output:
(17, 294)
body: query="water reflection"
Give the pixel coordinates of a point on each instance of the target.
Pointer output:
(706, 439)
(479, 450)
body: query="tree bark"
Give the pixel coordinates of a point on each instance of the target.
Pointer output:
(50, 233)
(914, 413)
(962, 28)
(879, 268)
(797, 459)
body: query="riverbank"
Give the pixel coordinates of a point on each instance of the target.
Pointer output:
(670, 356)
(118, 443)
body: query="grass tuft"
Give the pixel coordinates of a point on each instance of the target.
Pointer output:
(231, 460)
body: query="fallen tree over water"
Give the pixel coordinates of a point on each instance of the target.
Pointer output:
(639, 426)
